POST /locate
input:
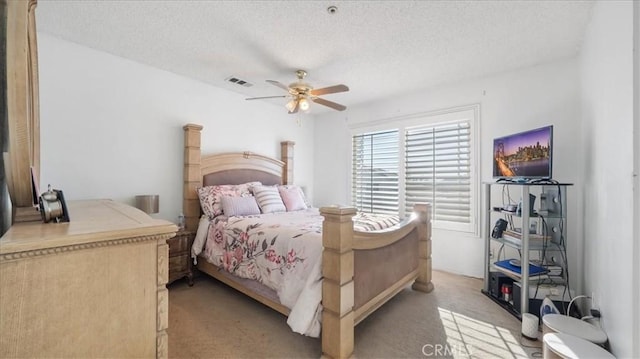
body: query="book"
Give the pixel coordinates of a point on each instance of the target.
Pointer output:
(507, 266)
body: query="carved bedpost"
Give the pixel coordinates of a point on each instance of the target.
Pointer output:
(286, 156)
(337, 286)
(423, 282)
(192, 175)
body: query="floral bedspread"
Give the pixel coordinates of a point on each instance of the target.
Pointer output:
(279, 250)
(282, 251)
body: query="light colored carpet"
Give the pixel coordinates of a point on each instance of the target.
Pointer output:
(211, 320)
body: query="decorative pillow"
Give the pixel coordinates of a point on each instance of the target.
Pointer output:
(292, 198)
(201, 237)
(268, 199)
(293, 186)
(210, 201)
(239, 206)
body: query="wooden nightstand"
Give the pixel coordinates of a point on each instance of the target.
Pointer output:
(180, 256)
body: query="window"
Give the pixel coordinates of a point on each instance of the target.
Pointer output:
(438, 171)
(375, 172)
(428, 158)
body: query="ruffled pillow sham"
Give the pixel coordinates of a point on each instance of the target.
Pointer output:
(211, 196)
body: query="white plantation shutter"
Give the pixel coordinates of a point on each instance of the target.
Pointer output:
(438, 171)
(375, 172)
(426, 158)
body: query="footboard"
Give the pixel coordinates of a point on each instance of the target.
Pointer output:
(363, 270)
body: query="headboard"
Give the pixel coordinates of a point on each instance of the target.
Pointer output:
(227, 168)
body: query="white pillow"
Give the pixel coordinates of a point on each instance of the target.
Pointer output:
(201, 237)
(239, 206)
(268, 199)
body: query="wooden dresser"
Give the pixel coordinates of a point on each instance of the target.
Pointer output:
(93, 287)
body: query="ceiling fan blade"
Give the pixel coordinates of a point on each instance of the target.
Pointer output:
(263, 97)
(333, 105)
(330, 89)
(276, 83)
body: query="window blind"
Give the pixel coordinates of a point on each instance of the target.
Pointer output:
(375, 172)
(438, 170)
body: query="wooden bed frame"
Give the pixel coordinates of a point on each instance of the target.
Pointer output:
(361, 270)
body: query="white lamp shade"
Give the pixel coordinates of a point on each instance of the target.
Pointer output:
(304, 104)
(291, 105)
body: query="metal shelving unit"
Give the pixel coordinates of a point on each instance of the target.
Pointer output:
(549, 239)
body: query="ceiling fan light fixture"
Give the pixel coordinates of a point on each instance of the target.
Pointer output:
(304, 104)
(301, 94)
(291, 105)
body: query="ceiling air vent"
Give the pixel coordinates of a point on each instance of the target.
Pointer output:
(237, 81)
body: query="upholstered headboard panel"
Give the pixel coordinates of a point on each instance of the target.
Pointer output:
(240, 167)
(239, 176)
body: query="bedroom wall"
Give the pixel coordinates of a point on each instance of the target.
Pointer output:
(635, 296)
(607, 72)
(510, 102)
(112, 128)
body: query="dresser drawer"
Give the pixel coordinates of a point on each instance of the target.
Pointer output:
(179, 244)
(179, 263)
(180, 256)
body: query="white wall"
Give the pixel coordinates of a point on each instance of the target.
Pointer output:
(510, 102)
(607, 112)
(112, 128)
(635, 296)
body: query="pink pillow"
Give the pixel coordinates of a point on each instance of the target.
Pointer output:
(295, 186)
(292, 199)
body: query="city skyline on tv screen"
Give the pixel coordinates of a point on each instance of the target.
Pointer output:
(526, 154)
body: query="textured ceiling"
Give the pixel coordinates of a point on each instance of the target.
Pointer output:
(377, 48)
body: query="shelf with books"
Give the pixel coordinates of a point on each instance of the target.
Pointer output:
(514, 271)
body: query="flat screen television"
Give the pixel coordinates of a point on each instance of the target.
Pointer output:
(524, 156)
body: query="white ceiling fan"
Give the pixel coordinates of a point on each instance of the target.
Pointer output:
(300, 93)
